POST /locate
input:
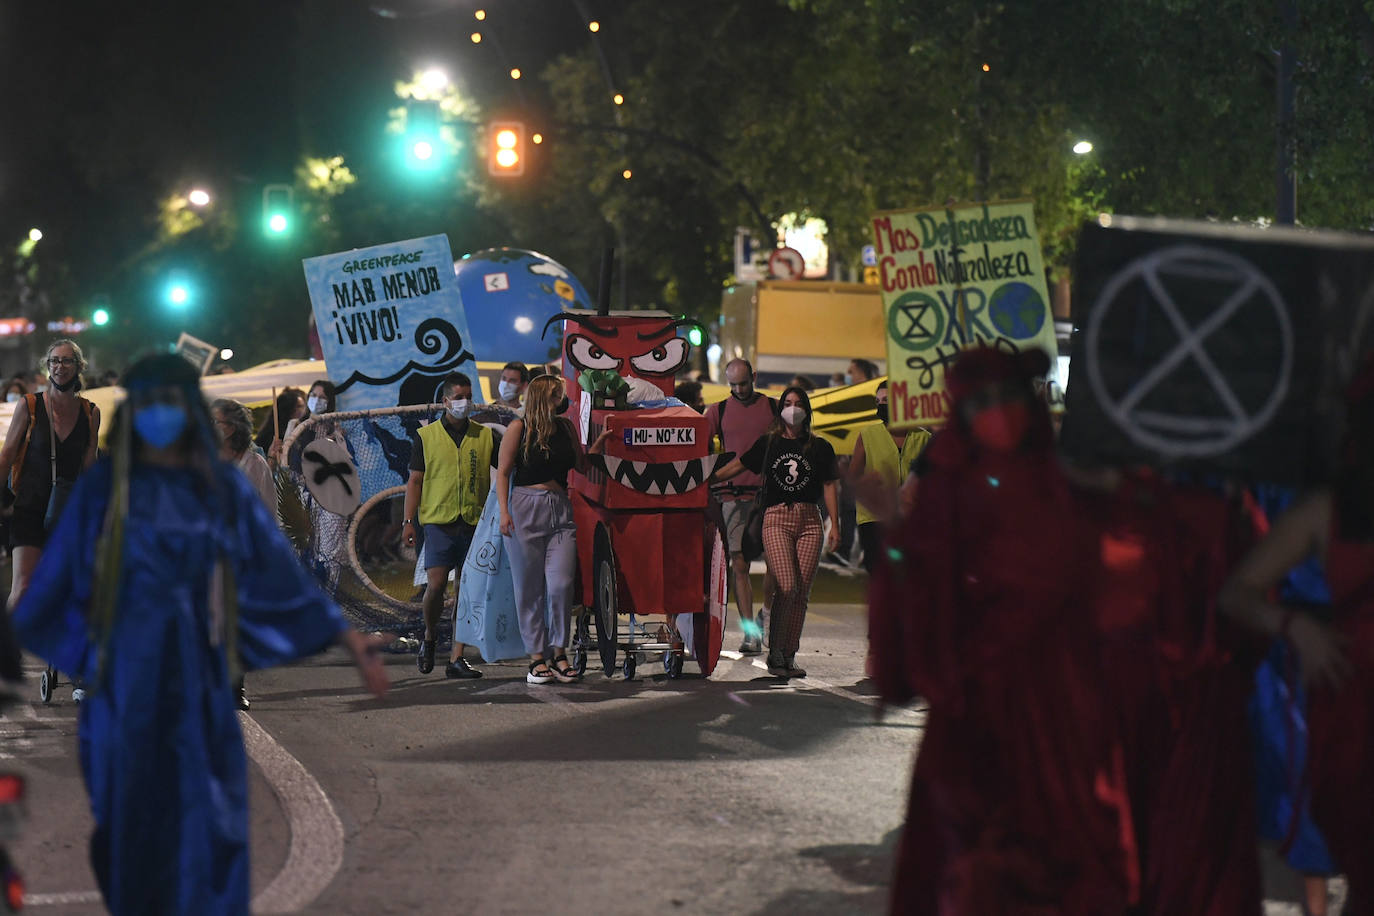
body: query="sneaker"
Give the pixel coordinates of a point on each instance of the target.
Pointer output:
(792, 669)
(751, 646)
(461, 669)
(242, 699)
(535, 678)
(78, 695)
(424, 660)
(777, 667)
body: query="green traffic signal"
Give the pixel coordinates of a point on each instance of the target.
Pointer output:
(422, 142)
(278, 202)
(694, 336)
(100, 317)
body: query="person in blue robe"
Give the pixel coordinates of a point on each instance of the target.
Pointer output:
(164, 579)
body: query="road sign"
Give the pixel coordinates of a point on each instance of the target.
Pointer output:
(786, 263)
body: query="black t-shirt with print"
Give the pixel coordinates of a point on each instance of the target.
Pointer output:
(796, 472)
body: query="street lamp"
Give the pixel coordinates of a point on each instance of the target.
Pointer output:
(198, 197)
(1082, 147)
(35, 235)
(226, 354)
(434, 79)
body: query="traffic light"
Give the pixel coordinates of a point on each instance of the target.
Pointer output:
(178, 291)
(422, 142)
(278, 210)
(506, 149)
(100, 317)
(695, 336)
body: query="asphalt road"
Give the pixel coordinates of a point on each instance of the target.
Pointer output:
(737, 794)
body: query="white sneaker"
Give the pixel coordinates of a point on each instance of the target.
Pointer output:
(78, 695)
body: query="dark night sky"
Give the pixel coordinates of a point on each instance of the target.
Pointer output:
(109, 107)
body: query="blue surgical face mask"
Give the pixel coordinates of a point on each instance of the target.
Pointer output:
(160, 425)
(849, 378)
(316, 405)
(507, 390)
(13, 396)
(459, 408)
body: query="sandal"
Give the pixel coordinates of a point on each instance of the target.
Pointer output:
(535, 676)
(563, 669)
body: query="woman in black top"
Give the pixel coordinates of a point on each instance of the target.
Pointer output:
(798, 469)
(537, 452)
(63, 418)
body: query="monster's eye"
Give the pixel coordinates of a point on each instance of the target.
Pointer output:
(665, 359)
(585, 354)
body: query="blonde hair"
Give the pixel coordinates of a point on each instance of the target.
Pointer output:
(542, 398)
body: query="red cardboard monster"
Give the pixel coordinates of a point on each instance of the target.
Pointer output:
(645, 542)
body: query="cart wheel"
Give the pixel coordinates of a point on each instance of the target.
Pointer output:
(45, 685)
(672, 664)
(580, 661)
(629, 666)
(607, 602)
(708, 627)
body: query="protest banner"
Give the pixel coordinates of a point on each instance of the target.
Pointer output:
(1214, 349)
(954, 277)
(391, 322)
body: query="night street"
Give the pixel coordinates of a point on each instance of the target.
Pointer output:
(733, 795)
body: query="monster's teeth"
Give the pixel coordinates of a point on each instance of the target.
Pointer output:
(639, 467)
(653, 489)
(612, 465)
(681, 467)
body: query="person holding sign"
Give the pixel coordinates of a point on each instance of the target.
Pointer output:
(1016, 803)
(537, 527)
(448, 486)
(798, 470)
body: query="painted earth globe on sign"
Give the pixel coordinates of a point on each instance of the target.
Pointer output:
(1017, 310)
(508, 296)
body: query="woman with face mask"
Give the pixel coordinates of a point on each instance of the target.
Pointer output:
(166, 578)
(14, 391)
(537, 453)
(52, 439)
(799, 470)
(978, 606)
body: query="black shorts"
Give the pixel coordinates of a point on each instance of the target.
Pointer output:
(26, 528)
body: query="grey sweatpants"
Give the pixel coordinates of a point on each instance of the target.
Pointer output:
(543, 557)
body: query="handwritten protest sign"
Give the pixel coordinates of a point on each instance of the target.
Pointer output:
(953, 278)
(391, 322)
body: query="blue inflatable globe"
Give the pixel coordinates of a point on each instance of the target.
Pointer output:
(508, 296)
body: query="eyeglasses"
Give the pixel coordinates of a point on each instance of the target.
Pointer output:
(56, 361)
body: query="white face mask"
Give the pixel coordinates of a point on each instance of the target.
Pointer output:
(13, 396)
(794, 415)
(507, 390)
(459, 408)
(316, 405)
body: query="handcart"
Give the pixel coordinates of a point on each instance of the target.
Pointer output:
(646, 544)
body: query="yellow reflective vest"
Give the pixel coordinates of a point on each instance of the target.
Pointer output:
(456, 478)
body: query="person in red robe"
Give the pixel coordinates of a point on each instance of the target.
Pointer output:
(1335, 523)
(1177, 680)
(1017, 803)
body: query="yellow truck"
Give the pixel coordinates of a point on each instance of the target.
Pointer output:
(802, 327)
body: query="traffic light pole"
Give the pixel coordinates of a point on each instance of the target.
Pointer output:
(683, 146)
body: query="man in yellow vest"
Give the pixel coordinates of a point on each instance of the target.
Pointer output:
(877, 451)
(450, 475)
